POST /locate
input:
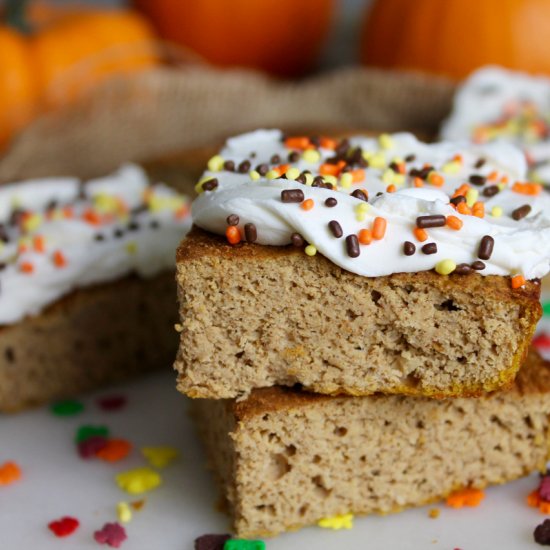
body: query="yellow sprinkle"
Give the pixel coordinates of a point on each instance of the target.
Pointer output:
(139, 480)
(362, 207)
(398, 179)
(501, 186)
(434, 513)
(292, 173)
(377, 160)
(330, 179)
(272, 174)
(24, 242)
(496, 211)
(32, 222)
(445, 267)
(160, 457)
(254, 175)
(346, 180)
(57, 214)
(452, 167)
(386, 141)
(311, 155)
(471, 196)
(387, 176)
(178, 327)
(344, 521)
(310, 250)
(397, 160)
(215, 164)
(131, 247)
(123, 512)
(309, 178)
(106, 203)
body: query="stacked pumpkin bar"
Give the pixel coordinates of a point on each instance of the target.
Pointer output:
(354, 316)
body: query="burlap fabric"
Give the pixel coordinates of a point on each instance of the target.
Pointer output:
(167, 110)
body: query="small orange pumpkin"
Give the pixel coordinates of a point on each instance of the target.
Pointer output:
(62, 59)
(454, 37)
(282, 37)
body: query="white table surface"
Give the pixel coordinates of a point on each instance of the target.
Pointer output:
(57, 482)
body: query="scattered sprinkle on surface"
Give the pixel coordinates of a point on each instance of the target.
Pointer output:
(68, 407)
(64, 526)
(160, 457)
(211, 542)
(138, 480)
(343, 521)
(10, 472)
(111, 534)
(112, 403)
(465, 497)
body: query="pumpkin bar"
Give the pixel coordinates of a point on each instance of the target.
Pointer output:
(86, 283)
(286, 459)
(406, 281)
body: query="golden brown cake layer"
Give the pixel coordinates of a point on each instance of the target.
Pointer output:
(286, 459)
(257, 316)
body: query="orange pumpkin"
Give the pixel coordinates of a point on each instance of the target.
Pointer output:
(64, 58)
(454, 37)
(282, 37)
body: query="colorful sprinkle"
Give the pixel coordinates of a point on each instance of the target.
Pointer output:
(10, 472)
(211, 542)
(112, 534)
(68, 407)
(86, 431)
(465, 497)
(241, 544)
(343, 521)
(445, 267)
(114, 450)
(160, 457)
(112, 403)
(139, 480)
(64, 527)
(123, 512)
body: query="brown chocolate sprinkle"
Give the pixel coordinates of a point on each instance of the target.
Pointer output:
(293, 156)
(478, 266)
(342, 147)
(118, 233)
(359, 194)
(352, 245)
(437, 220)
(409, 248)
(229, 165)
(262, 169)
(292, 195)
(244, 166)
(301, 179)
(210, 185)
(491, 191)
(463, 269)
(486, 247)
(480, 162)
(521, 212)
(232, 219)
(331, 202)
(155, 224)
(477, 179)
(335, 228)
(275, 159)
(99, 237)
(133, 226)
(297, 240)
(250, 232)
(457, 200)
(410, 158)
(430, 248)
(318, 181)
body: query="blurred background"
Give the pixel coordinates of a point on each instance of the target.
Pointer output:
(87, 85)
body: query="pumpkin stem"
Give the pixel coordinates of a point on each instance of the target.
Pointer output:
(16, 15)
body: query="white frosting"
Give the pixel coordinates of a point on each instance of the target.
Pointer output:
(147, 248)
(521, 247)
(493, 94)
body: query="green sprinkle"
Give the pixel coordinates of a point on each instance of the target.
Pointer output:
(546, 308)
(87, 431)
(69, 407)
(241, 544)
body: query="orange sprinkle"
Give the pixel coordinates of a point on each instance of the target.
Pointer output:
(26, 267)
(233, 235)
(493, 176)
(454, 223)
(401, 168)
(544, 507)
(420, 234)
(518, 281)
(114, 450)
(299, 142)
(533, 499)
(465, 497)
(9, 473)
(91, 217)
(417, 182)
(527, 188)
(59, 259)
(379, 228)
(39, 243)
(68, 212)
(331, 169)
(365, 236)
(504, 179)
(357, 175)
(435, 179)
(478, 209)
(181, 212)
(391, 188)
(137, 504)
(308, 204)
(282, 169)
(463, 208)
(462, 190)
(327, 143)
(22, 248)
(458, 158)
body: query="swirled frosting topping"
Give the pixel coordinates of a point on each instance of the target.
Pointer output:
(377, 206)
(59, 234)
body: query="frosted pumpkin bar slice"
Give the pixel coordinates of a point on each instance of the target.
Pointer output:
(287, 459)
(360, 266)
